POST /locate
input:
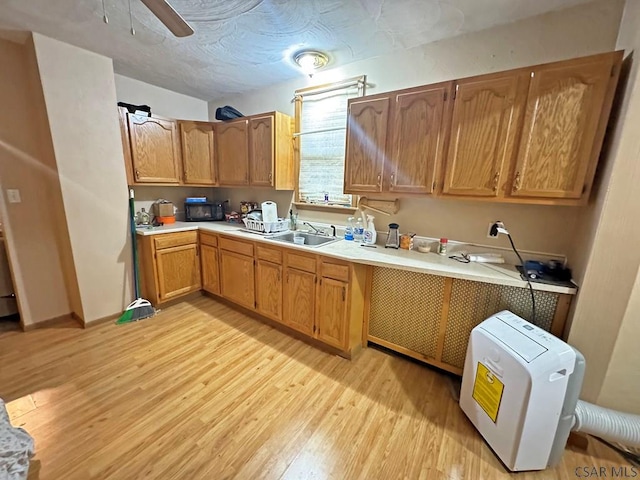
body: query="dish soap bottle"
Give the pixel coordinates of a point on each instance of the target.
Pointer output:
(348, 231)
(370, 232)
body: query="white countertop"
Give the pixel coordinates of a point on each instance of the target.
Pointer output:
(431, 263)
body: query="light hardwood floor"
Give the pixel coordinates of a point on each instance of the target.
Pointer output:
(203, 392)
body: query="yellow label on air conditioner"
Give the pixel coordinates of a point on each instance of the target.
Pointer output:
(487, 391)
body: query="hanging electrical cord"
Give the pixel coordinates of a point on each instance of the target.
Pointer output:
(498, 227)
(105, 19)
(533, 298)
(133, 30)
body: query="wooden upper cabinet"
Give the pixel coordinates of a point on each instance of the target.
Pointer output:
(366, 144)
(233, 152)
(155, 151)
(486, 115)
(262, 150)
(417, 138)
(563, 127)
(198, 153)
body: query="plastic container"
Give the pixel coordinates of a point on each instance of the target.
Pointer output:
(358, 231)
(348, 231)
(298, 240)
(166, 220)
(442, 246)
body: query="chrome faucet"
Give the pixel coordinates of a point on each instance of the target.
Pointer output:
(316, 231)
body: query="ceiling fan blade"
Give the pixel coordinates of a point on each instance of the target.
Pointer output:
(171, 19)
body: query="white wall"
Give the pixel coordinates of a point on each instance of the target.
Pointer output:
(80, 96)
(606, 320)
(584, 30)
(30, 227)
(163, 102)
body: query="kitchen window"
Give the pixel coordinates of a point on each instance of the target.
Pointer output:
(321, 121)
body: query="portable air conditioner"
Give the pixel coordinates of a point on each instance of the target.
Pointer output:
(520, 387)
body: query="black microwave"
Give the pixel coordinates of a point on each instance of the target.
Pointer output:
(204, 212)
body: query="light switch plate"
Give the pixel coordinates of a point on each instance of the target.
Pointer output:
(13, 196)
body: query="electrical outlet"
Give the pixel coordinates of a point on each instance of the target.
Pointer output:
(13, 196)
(491, 224)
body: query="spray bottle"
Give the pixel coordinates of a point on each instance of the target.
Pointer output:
(370, 232)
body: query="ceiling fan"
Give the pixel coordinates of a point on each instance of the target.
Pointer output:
(171, 19)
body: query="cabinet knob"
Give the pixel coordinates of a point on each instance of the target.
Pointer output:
(496, 179)
(393, 178)
(379, 183)
(137, 172)
(516, 182)
(270, 177)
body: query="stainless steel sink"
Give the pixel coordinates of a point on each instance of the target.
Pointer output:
(310, 239)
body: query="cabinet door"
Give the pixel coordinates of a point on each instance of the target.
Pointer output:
(300, 300)
(233, 152)
(261, 151)
(331, 322)
(210, 269)
(154, 150)
(486, 117)
(178, 271)
(366, 145)
(269, 289)
(560, 127)
(198, 153)
(417, 139)
(238, 278)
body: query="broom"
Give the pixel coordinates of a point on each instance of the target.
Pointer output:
(140, 308)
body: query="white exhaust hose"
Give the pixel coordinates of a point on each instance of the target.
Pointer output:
(608, 424)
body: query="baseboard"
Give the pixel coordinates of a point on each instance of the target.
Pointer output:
(100, 321)
(53, 322)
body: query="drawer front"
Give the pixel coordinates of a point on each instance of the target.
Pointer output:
(243, 248)
(301, 262)
(208, 239)
(332, 270)
(167, 240)
(269, 254)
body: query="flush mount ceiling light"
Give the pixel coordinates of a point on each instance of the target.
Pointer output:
(310, 61)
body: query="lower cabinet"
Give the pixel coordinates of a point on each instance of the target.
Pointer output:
(300, 300)
(237, 278)
(269, 289)
(317, 296)
(170, 265)
(209, 263)
(332, 321)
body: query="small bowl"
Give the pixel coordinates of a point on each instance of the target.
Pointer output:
(426, 248)
(298, 240)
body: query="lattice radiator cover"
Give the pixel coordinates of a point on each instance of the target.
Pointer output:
(407, 308)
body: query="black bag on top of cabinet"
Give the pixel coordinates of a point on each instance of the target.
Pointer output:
(227, 113)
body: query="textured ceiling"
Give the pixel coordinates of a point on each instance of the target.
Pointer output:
(242, 45)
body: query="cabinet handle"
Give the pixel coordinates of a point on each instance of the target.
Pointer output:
(393, 178)
(516, 182)
(270, 177)
(197, 251)
(137, 172)
(344, 293)
(496, 179)
(278, 275)
(379, 184)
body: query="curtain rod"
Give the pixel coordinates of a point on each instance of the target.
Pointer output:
(360, 81)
